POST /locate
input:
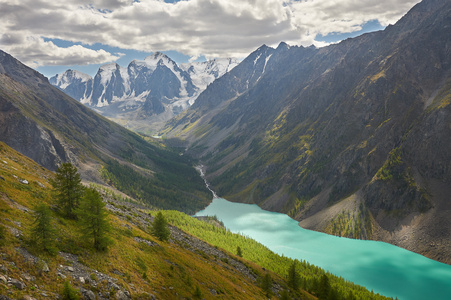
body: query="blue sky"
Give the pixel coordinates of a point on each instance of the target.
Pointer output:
(53, 36)
(130, 55)
(127, 55)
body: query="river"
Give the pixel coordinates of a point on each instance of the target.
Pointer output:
(381, 267)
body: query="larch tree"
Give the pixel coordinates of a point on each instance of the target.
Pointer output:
(159, 227)
(93, 219)
(239, 252)
(266, 285)
(42, 231)
(293, 277)
(69, 190)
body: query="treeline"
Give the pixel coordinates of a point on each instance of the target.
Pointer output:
(299, 274)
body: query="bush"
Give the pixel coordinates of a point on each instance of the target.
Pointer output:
(70, 293)
(2, 235)
(197, 293)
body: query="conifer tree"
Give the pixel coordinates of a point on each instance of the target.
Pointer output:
(42, 231)
(239, 252)
(284, 295)
(93, 219)
(293, 277)
(267, 285)
(324, 287)
(69, 190)
(159, 227)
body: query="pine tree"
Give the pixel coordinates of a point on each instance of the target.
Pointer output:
(239, 252)
(267, 285)
(159, 227)
(324, 287)
(284, 295)
(93, 219)
(69, 190)
(293, 277)
(42, 231)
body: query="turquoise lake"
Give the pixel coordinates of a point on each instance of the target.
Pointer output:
(381, 267)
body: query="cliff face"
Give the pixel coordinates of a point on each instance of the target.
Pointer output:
(350, 139)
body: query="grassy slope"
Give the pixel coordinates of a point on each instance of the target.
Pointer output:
(259, 254)
(172, 271)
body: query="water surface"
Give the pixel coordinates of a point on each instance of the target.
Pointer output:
(384, 268)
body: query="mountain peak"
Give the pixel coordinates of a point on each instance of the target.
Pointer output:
(67, 78)
(262, 48)
(157, 56)
(109, 67)
(283, 46)
(77, 74)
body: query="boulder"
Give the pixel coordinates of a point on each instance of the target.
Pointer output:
(89, 295)
(18, 284)
(120, 295)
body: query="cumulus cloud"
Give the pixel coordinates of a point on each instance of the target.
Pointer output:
(213, 28)
(34, 51)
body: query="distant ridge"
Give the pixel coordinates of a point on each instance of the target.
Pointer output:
(145, 92)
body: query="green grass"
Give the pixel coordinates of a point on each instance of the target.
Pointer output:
(168, 270)
(261, 255)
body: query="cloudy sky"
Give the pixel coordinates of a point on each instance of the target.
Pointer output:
(53, 36)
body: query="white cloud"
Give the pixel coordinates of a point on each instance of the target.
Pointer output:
(342, 16)
(34, 51)
(213, 28)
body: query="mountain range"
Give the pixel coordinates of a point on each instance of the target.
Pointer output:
(146, 93)
(48, 126)
(351, 139)
(197, 261)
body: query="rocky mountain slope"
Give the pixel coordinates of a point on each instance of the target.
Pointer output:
(43, 123)
(351, 139)
(136, 265)
(146, 93)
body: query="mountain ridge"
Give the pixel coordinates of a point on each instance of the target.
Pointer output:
(321, 128)
(148, 91)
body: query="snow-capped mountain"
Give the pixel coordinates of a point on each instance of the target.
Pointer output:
(204, 73)
(153, 89)
(75, 83)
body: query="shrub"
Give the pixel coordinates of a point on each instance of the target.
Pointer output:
(69, 293)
